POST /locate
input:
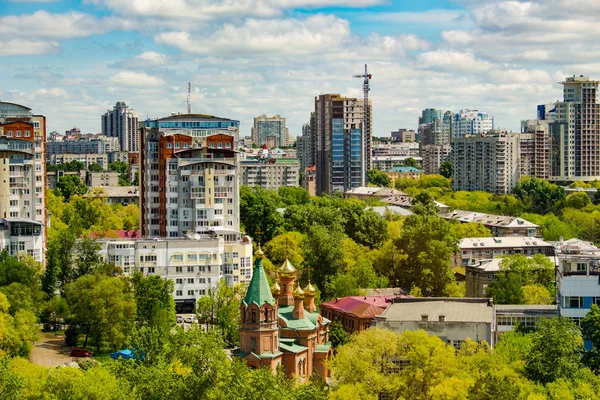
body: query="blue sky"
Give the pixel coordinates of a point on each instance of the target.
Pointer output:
(72, 60)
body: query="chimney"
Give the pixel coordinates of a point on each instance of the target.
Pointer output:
(424, 317)
(442, 318)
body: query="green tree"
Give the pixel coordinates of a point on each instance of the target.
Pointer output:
(220, 308)
(378, 178)
(470, 230)
(411, 162)
(590, 327)
(323, 254)
(577, 200)
(95, 167)
(338, 335)
(539, 195)
(258, 212)
(424, 204)
(287, 245)
(427, 242)
(18, 332)
(70, 185)
(521, 279)
(154, 302)
(446, 169)
(555, 351)
(104, 306)
(123, 169)
(293, 195)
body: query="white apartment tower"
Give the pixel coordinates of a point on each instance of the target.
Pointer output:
(189, 178)
(122, 122)
(23, 215)
(471, 122)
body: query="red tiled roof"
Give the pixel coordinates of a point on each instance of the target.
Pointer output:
(361, 306)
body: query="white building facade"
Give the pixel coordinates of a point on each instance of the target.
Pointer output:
(194, 264)
(122, 122)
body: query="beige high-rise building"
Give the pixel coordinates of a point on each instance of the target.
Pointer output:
(122, 122)
(535, 149)
(271, 131)
(23, 215)
(488, 162)
(575, 132)
(433, 156)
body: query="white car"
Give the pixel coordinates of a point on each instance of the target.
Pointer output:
(190, 320)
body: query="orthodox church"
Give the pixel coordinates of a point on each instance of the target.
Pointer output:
(281, 325)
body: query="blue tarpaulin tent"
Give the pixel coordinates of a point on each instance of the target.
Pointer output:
(125, 354)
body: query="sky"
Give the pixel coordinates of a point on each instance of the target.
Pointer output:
(74, 59)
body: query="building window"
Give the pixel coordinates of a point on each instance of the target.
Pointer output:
(190, 281)
(581, 267)
(191, 292)
(179, 281)
(573, 302)
(190, 269)
(178, 269)
(179, 293)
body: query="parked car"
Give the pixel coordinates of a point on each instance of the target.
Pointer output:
(77, 352)
(190, 320)
(179, 319)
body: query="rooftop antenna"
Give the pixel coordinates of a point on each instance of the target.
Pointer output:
(189, 104)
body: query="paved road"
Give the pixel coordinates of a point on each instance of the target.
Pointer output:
(50, 351)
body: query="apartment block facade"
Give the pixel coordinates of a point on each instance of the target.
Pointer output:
(575, 132)
(535, 149)
(81, 144)
(305, 147)
(433, 156)
(471, 122)
(488, 162)
(339, 143)
(194, 263)
(122, 122)
(271, 131)
(271, 173)
(23, 215)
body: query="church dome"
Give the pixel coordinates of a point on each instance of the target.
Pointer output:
(298, 293)
(287, 269)
(275, 289)
(310, 289)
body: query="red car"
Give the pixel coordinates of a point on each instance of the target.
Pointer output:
(77, 352)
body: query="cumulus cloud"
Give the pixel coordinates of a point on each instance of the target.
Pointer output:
(19, 47)
(136, 79)
(43, 24)
(453, 61)
(316, 34)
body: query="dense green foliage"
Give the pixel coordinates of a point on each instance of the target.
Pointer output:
(71, 166)
(524, 280)
(541, 365)
(70, 185)
(379, 178)
(123, 169)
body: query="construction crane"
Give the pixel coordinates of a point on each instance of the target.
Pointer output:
(189, 104)
(367, 117)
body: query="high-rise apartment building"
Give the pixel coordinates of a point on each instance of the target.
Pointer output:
(339, 143)
(429, 115)
(81, 144)
(23, 217)
(189, 176)
(489, 162)
(438, 131)
(404, 135)
(433, 156)
(305, 148)
(471, 122)
(270, 173)
(122, 122)
(535, 149)
(575, 132)
(270, 130)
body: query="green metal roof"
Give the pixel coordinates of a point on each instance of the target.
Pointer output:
(292, 347)
(302, 324)
(323, 348)
(259, 291)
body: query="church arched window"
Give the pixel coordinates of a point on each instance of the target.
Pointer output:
(253, 316)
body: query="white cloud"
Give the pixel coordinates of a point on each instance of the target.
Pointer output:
(136, 79)
(43, 24)
(18, 47)
(453, 61)
(314, 35)
(148, 59)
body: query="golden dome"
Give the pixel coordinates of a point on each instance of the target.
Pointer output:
(299, 293)
(310, 289)
(287, 269)
(259, 253)
(275, 289)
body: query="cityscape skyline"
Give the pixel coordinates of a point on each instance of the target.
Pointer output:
(77, 59)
